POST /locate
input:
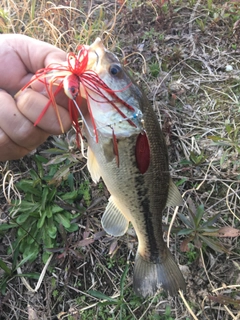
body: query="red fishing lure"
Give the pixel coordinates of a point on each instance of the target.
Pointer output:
(70, 77)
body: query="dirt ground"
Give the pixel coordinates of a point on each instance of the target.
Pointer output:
(186, 56)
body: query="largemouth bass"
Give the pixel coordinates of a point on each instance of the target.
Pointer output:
(131, 156)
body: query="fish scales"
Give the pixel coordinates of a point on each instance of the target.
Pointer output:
(135, 196)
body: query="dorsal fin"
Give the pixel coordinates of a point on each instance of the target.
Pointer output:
(113, 221)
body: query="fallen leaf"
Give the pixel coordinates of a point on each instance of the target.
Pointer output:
(225, 300)
(228, 232)
(184, 245)
(32, 315)
(85, 242)
(113, 247)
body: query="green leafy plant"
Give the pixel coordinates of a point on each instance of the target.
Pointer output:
(39, 215)
(64, 155)
(154, 69)
(33, 8)
(9, 271)
(197, 159)
(202, 24)
(200, 232)
(230, 144)
(3, 21)
(167, 315)
(232, 139)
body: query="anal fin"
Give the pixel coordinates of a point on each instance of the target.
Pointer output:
(174, 196)
(113, 221)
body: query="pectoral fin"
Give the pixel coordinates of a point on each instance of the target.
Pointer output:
(113, 221)
(174, 196)
(93, 166)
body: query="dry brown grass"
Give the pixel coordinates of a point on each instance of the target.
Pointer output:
(192, 43)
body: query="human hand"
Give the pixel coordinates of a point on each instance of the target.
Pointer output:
(21, 57)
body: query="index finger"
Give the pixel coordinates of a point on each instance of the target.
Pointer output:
(35, 54)
(21, 57)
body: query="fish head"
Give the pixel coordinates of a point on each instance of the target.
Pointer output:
(114, 100)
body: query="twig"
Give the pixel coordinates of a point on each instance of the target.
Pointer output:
(187, 305)
(42, 275)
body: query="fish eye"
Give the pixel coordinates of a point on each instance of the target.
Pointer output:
(115, 69)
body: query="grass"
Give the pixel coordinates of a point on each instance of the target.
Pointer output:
(181, 60)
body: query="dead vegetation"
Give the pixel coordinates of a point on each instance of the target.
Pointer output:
(186, 55)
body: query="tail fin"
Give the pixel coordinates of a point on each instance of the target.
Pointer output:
(148, 277)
